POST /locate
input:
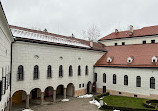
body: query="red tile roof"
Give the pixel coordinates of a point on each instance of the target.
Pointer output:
(96, 46)
(142, 54)
(145, 31)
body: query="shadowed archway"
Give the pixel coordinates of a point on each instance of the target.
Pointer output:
(70, 90)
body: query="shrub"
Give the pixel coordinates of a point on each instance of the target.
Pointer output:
(147, 104)
(101, 95)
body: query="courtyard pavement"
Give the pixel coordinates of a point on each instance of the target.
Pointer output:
(75, 104)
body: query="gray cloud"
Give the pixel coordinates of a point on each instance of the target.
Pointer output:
(73, 16)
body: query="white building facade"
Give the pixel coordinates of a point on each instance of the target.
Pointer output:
(5, 61)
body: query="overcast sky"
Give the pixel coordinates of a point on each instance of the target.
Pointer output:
(72, 16)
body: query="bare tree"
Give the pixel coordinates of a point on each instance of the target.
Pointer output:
(93, 33)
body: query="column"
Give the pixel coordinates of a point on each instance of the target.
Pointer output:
(42, 98)
(64, 93)
(27, 101)
(54, 95)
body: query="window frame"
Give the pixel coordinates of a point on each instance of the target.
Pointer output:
(49, 71)
(114, 79)
(152, 83)
(138, 81)
(79, 70)
(104, 77)
(20, 73)
(70, 71)
(61, 71)
(36, 72)
(126, 80)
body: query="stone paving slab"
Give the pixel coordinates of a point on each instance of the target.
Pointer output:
(75, 104)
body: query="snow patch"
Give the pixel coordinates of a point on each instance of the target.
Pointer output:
(116, 110)
(27, 110)
(65, 100)
(95, 103)
(86, 96)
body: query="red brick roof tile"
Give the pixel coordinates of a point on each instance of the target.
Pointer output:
(142, 54)
(145, 31)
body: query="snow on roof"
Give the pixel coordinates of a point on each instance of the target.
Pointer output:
(43, 37)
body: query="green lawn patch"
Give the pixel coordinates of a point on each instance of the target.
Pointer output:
(127, 102)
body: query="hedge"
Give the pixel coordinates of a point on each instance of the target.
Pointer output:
(101, 95)
(147, 104)
(125, 109)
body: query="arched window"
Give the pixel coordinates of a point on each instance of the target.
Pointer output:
(152, 83)
(104, 78)
(20, 73)
(114, 79)
(49, 71)
(79, 70)
(125, 80)
(36, 72)
(70, 71)
(138, 81)
(86, 70)
(60, 71)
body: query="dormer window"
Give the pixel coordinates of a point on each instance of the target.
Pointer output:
(154, 59)
(130, 59)
(109, 59)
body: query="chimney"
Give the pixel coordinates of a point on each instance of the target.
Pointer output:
(131, 30)
(91, 43)
(116, 31)
(72, 35)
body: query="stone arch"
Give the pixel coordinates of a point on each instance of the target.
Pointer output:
(89, 87)
(70, 90)
(60, 91)
(35, 93)
(19, 98)
(48, 93)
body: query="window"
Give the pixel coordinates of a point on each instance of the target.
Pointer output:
(79, 85)
(20, 73)
(36, 72)
(3, 85)
(152, 41)
(130, 59)
(152, 83)
(114, 79)
(95, 76)
(144, 42)
(60, 71)
(125, 80)
(86, 70)
(104, 78)
(115, 44)
(138, 81)
(154, 59)
(109, 59)
(79, 70)
(123, 43)
(82, 85)
(70, 71)
(49, 71)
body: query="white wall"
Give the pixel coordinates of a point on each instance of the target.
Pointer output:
(23, 54)
(5, 55)
(144, 73)
(129, 41)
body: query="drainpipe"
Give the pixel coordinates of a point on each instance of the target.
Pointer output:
(10, 100)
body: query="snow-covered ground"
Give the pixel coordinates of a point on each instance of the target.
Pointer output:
(65, 100)
(95, 102)
(86, 96)
(27, 110)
